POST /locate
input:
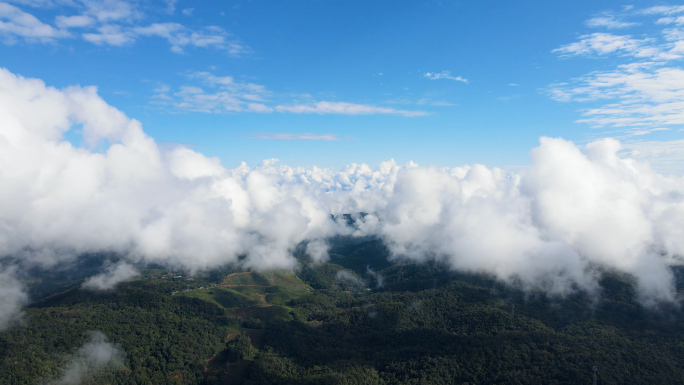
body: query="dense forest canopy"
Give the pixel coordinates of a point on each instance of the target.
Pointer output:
(355, 320)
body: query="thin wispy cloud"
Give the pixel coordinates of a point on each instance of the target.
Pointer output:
(601, 44)
(663, 10)
(609, 21)
(444, 75)
(213, 94)
(110, 22)
(666, 156)
(293, 136)
(224, 94)
(325, 107)
(645, 92)
(15, 23)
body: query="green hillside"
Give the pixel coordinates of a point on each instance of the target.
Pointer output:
(341, 323)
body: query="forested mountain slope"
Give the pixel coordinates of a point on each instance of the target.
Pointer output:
(356, 320)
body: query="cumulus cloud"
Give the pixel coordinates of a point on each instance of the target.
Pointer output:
(12, 297)
(95, 356)
(572, 214)
(111, 277)
(134, 197)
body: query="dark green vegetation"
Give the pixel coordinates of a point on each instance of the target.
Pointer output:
(335, 324)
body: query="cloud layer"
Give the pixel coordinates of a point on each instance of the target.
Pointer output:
(573, 213)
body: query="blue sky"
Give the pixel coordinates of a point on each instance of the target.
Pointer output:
(329, 83)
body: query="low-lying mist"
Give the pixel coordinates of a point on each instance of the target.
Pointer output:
(573, 213)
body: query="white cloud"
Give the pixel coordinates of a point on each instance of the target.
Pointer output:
(78, 21)
(95, 356)
(16, 23)
(179, 37)
(171, 6)
(344, 108)
(110, 34)
(644, 95)
(188, 11)
(225, 95)
(608, 20)
(605, 43)
(293, 136)
(113, 275)
(554, 226)
(107, 11)
(221, 94)
(663, 10)
(665, 156)
(444, 75)
(12, 297)
(112, 22)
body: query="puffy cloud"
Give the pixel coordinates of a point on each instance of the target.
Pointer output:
(133, 197)
(95, 356)
(550, 227)
(555, 226)
(110, 278)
